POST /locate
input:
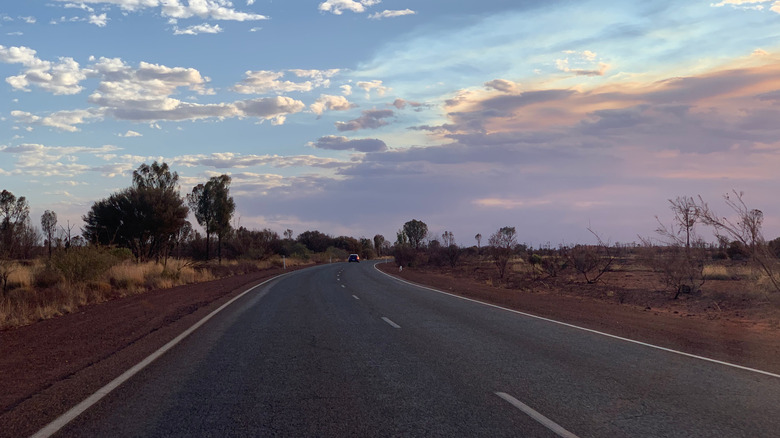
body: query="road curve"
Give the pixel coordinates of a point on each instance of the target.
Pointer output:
(344, 350)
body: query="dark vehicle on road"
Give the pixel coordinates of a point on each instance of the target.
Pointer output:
(354, 258)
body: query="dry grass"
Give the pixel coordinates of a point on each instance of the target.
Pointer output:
(36, 291)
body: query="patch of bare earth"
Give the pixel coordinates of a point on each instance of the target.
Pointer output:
(49, 366)
(747, 335)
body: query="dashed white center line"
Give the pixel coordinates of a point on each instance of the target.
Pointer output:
(546, 422)
(392, 324)
(343, 286)
(355, 297)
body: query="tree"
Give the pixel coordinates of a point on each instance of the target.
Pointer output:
(681, 263)
(288, 234)
(451, 250)
(49, 226)
(415, 231)
(146, 217)
(14, 219)
(213, 208)
(502, 243)
(478, 237)
(379, 241)
(746, 230)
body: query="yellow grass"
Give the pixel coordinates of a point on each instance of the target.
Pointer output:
(23, 303)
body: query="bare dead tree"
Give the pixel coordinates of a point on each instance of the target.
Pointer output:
(746, 230)
(591, 261)
(681, 262)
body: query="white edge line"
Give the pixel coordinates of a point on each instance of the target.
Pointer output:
(546, 422)
(392, 324)
(658, 347)
(58, 423)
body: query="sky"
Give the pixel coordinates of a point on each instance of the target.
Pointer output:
(352, 117)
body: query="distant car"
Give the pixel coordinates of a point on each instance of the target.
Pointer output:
(354, 258)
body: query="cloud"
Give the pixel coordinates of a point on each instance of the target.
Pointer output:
(198, 29)
(502, 85)
(391, 14)
(581, 60)
(98, 20)
(40, 160)
(131, 134)
(337, 7)
(264, 81)
(371, 119)
(331, 103)
(373, 85)
(205, 9)
(62, 77)
(61, 120)
(226, 160)
(338, 143)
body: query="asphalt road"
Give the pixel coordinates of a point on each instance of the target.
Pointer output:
(343, 350)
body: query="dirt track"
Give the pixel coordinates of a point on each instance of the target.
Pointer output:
(49, 366)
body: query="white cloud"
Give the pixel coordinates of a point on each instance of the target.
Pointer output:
(130, 133)
(346, 90)
(211, 9)
(373, 85)
(583, 64)
(264, 81)
(40, 160)
(62, 120)
(391, 14)
(331, 103)
(98, 20)
(198, 29)
(337, 7)
(62, 77)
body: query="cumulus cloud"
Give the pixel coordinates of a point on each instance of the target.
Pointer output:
(131, 133)
(62, 77)
(198, 29)
(371, 119)
(264, 81)
(331, 103)
(391, 14)
(339, 143)
(337, 7)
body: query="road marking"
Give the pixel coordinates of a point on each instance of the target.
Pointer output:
(60, 422)
(392, 324)
(355, 297)
(546, 422)
(343, 286)
(633, 341)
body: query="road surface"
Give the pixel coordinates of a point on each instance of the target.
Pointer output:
(344, 350)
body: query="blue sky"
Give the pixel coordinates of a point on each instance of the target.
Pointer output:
(354, 116)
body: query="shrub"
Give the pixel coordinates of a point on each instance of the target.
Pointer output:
(83, 264)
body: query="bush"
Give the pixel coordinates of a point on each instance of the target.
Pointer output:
(83, 264)
(46, 277)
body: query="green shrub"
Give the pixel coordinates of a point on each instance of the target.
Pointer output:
(83, 264)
